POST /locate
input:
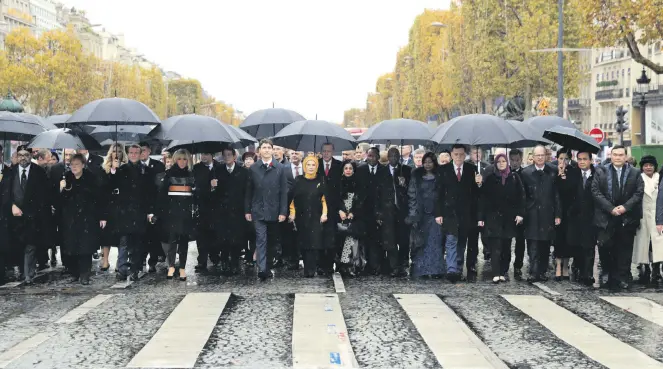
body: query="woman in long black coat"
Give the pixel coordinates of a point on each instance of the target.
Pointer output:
(310, 209)
(116, 157)
(501, 209)
(175, 211)
(348, 228)
(83, 217)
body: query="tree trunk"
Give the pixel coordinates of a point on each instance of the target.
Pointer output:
(632, 44)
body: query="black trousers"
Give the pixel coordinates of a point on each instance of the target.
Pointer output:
(80, 265)
(326, 260)
(538, 252)
(616, 254)
(289, 244)
(130, 254)
(403, 241)
(310, 261)
(231, 252)
(519, 250)
(584, 259)
(377, 259)
(152, 245)
(208, 244)
(466, 242)
(178, 245)
(500, 254)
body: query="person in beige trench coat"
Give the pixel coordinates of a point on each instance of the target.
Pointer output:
(643, 254)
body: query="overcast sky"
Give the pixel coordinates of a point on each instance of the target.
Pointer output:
(315, 57)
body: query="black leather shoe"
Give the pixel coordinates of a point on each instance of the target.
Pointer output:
(518, 274)
(133, 277)
(85, 281)
(200, 268)
(265, 275)
(120, 277)
(153, 269)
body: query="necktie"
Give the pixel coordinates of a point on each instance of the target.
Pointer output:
(326, 169)
(230, 170)
(584, 179)
(619, 178)
(296, 171)
(372, 170)
(458, 173)
(24, 177)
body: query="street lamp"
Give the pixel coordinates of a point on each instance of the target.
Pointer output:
(643, 88)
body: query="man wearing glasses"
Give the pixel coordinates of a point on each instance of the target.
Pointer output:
(23, 193)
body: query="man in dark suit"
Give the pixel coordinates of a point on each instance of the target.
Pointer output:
(294, 169)
(618, 190)
(25, 205)
(400, 174)
(206, 174)
(266, 203)
(406, 156)
(152, 240)
(92, 162)
(56, 173)
(543, 212)
(457, 213)
(331, 171)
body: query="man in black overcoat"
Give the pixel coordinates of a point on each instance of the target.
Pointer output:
(152, 239)
(136, 191)
(24, 209)
(516, 161)
(232, 179)
(331, 171)
(400, 180)
(543, 212)
(209, 197)
(618, 189)
(289, 243)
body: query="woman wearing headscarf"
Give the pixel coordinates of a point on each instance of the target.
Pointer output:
(501, 209)
(349, 245)
(426, 235)
(308, 210)
(175, 211)
(648, 243)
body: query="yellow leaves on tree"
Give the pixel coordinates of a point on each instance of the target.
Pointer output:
(188, 94)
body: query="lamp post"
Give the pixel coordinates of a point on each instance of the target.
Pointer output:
(643, 87)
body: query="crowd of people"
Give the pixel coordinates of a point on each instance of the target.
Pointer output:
(396, 212)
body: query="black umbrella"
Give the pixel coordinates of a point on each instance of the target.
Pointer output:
(21, 126)
(572, 138)
(122, 133)
(64, 138)
(403, 131)
(531, 134)
(199, 147)
(477, 130)
(267, 122)
(114, 111)
(192, 129)
(245, 138)
(58, 120)
(310, 135)
(543, 122)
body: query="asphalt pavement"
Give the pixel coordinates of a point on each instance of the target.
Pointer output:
(213, 321)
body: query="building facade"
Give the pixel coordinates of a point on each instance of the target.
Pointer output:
(45, 15)
(90, 39)
(13, 14)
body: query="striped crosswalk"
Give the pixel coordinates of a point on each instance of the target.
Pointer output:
(318, 330)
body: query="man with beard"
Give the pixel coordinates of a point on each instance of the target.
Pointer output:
(209, 197)
(330, 170)
(400, 175)
(25, 208)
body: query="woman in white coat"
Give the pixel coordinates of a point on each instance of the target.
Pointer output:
(648, 242)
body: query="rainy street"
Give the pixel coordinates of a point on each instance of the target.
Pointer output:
(368, 322)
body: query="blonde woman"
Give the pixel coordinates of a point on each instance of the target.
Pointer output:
(174, 213)
(116, 157)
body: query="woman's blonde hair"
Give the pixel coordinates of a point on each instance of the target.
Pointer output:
(182, 153)
(122, 156)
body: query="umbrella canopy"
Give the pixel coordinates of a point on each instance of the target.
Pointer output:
(58, 120)
(310, 135)
(477, 130)
(245, 138)
(543, 122)
(192, 129)
(64, 138)
(532, 136)
(199, 147)
(267, 122)
(403, 131)
(121, 133)
(21, 126)
(572, 138)
(114, 111)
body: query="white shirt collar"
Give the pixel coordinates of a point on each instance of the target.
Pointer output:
(537, 168)
(87, 157)
(210, 165)
(147, 162)
(230, 167)
(327, 162)
(266, 162)
(293, 165)
(372, 167)
(456, 167)
(27, 170)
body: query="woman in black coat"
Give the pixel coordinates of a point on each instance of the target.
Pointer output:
(116, 157)
(501, 209)
(310, 209)
(82, 218)
(348, 229)
(175, 211)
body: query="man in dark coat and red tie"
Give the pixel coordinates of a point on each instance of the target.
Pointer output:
(330, 170)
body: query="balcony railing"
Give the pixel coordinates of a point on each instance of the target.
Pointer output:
(615, 93)
(578, 103)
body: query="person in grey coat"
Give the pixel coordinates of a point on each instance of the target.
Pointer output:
(266, 203)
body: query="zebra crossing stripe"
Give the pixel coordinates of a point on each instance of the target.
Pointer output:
(183, 335)
(448, 337)
(22, 348)
(586, 337)
(78, 312)
(338, 283)
(319, 335)
(639, 306)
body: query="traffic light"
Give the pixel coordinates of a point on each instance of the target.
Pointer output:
(621, 122)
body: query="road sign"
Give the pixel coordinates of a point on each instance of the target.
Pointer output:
(597, 134)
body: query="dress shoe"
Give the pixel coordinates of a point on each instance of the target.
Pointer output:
(453, 277)
(543, 278)
(518, 274)
(134, 277)
(152, 269)
(293, 266)
(95, 256)
(623, 285)
(471, 276)
(120, 277)
(85, 281)
(265, 275)
(200, 268)
(322, 272)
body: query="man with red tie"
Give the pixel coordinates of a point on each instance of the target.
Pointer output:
(330, 170)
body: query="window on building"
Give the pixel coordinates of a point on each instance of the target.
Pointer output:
(629, 71)
(628, 92)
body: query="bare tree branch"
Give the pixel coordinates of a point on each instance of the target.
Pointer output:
(632, 44)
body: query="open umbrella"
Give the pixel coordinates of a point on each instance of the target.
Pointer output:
(58, 120)
(122, 134)
(199, 147)
(114, 111)
(398, 131)
(531, 134)
(195, 130)
(310, 135)
(572, 138)
(21, 126)
(267, 122)
(64, 138)
(543, 122)
(245, 138)
(477, 130)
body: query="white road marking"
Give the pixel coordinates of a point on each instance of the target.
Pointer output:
(447, 336)
(83, 309)
(183, 335)
(319, 335)
(545, 288)
(639, 306)
(338, 283)
(22, 348)
(586, 337)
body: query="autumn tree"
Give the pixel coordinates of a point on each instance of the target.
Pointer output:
(188, 94)
(634, 23)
